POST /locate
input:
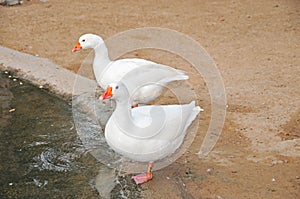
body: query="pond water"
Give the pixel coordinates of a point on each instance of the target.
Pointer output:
(40, 152)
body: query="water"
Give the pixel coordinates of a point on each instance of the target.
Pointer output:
(40, 152)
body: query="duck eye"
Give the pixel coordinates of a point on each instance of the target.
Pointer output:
(83, 40)
(117, 87)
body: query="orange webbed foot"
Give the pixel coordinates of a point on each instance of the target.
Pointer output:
(144, 177)
(134, 106)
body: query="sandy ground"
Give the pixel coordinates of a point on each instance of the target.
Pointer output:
(256, 48)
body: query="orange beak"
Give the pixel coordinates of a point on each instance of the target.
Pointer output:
(107, 94)
(77, 47)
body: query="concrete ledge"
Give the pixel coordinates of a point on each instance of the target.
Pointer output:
(43, 72)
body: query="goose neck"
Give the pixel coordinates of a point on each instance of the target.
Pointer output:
(101, 59)
(123, 113)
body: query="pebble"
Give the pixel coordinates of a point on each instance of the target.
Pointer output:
(12, 110)
(14, 79)
(10, 184)
(41, 86)
(274, 162)
(21, 83)
(273, 179)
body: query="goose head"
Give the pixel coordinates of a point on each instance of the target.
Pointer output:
(116, 91)
(87, 41)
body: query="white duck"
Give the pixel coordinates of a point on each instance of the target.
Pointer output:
(107, 71)
(146, 133)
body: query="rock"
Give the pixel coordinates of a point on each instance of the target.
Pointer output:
(11, 2)
(274, 162)
(208, 170)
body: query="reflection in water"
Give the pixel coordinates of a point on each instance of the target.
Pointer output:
(40, 152)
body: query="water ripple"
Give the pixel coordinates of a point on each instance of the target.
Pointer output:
(54, 160)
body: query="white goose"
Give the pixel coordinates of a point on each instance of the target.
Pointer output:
(146, 133)
(107, 71)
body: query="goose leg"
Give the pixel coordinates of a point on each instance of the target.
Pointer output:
(144, 177)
